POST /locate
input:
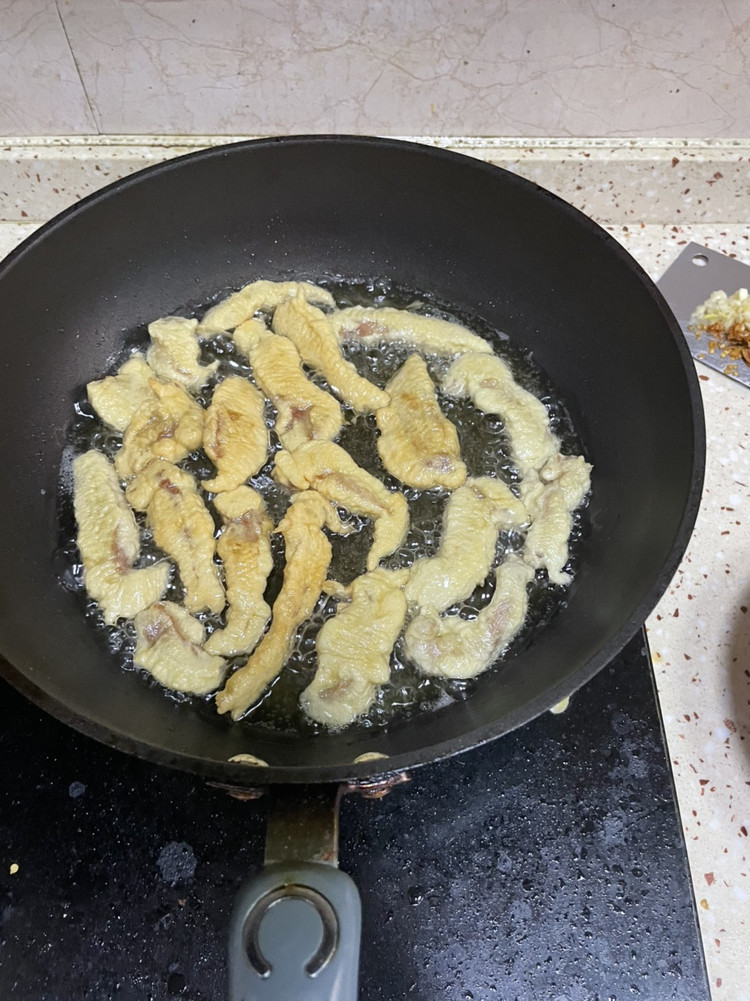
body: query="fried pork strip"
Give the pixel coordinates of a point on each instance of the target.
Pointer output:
(169, 645)
(551, 497)
(116, 398)
(490, 385)
(174, 353)
(354, 648)
(244, 547)
(314, 336)
(417, 443)
(327, 468)
(260, 295)
(109, 542)
(305, 412)
(183, 528)
(235, 436)
(452, 647)
(428, 334)
(473, 517)
(308, 554)
(167, 426)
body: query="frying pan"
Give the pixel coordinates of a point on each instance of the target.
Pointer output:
(493, 245)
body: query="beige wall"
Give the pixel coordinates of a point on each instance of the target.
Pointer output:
(658, 68)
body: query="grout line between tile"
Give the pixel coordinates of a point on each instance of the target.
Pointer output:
(78, 68)
(646, 146)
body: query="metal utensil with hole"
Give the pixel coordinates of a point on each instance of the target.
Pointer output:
(688, 282)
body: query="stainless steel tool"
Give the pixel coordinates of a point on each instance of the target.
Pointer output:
(688, 282)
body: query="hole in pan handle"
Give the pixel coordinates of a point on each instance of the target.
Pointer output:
(308, 896)
(295, 933)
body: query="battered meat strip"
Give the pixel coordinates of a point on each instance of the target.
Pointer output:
(417, 443)
(428, 334)
(354, 648)
(314, 336)
(489, 383)
(245, 550)
(304, 411)
(260, 295)
(551, 497)
(168, 426)
(473, 517)
(116, 398)
(235, 436)
(308, 554)
(109, 542)
(452, 647)
(169, 645)
(327, 468)
(183, 528)
(174, 353)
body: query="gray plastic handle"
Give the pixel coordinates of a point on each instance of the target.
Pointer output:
(294, 935)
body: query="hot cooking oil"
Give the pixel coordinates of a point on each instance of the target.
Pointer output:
(484, 448)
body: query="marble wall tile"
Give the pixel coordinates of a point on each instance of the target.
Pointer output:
(41, 91)
(429, 67)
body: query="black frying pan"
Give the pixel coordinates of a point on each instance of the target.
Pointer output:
(488, 242)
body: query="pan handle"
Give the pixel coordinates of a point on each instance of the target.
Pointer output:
(295, 929)
(294, 936)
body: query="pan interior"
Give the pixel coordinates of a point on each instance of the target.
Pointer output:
(486, 242)
(484, 447)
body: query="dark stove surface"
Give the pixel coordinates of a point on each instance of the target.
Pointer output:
(548, 865)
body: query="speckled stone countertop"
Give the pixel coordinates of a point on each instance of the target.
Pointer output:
(653, 196)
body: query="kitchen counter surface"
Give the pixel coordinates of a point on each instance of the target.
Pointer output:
(653, 197)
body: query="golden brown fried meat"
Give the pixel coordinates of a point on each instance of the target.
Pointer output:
(354, 648)
(167, 426)
(250, 299)
(245, 550)
(327, 468)
(183, 528)
(428, 334)
(175, 352)
(109, 542)
(117, 397)
(235, 436)
(551, 497)
(473, 517)
(488, 382)
(305, 412)
(453, 647)
(169, 645)
(314, 336)
(417, 443)
(307, 554)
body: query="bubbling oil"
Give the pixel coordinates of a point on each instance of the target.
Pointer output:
(484, 448)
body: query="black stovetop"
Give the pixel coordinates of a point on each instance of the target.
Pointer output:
(548, 865)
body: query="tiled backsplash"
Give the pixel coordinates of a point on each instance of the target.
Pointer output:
(421, 67)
